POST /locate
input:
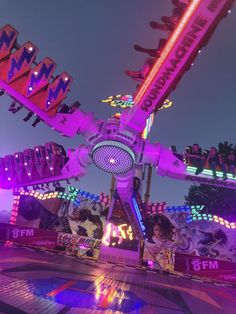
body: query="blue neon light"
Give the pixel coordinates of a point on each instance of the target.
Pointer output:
(138, 214)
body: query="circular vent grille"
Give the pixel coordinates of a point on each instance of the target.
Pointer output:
(113, 157)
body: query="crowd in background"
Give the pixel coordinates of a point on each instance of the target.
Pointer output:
(222, 159)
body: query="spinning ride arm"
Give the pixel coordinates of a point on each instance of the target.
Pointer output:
(32, 85)
(43, 164)
(191, 33)
(174, 166)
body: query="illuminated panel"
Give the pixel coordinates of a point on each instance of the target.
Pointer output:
(209, 173)
(19, 166)
(88, 195)
(191, 33)
(113, 157)
(155, 208)
(18, 63)
(50, 195)
(75, 192)
(39, 77)
(29, 164)
(138, 215)
(8, 37)
(50, 99)
(14, 214)
(9, 169)
(73, 196)
(121, 232)
(122, 101)
(2, 171)
(104, 199)
(54, 159)
(217, 219)
(111, 231)
(15, 208)
(126, 101)
(193, 209)
(149, 123)
(40, 161)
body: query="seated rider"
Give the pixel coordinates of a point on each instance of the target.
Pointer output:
(231, 161)
(223, 165)
(213, 160)
(196, 159)
(141, 74)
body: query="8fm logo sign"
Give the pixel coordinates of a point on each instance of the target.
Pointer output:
(20, 233)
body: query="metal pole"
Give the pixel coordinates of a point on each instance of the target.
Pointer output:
(148, 185)
(112, 189)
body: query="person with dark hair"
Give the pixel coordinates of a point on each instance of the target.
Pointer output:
(213, 160)
(196, 159)
(160, 244)
(223, 165)
(154, 53)
(169, 23)
(231, 161)
(163, 229)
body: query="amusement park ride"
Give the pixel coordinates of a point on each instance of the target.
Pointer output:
(116, 145)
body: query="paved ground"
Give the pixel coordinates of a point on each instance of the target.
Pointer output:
(41, 282)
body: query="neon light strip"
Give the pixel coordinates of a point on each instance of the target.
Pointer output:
(74, 192)
(171, 42)
(86, 194)
(15, 208)
(217, 219)
(40, 196)
(138, 214)
(149, 123)
(185, 208)
(210, 173)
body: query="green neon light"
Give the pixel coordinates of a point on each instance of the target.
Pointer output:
(210, 173)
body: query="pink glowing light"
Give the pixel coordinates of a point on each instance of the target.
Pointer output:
(112, 161)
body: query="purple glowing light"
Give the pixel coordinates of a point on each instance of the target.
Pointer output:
(113, 157)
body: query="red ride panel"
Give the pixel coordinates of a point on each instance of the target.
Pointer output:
(8, 37)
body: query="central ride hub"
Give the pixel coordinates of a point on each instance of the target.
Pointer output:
(113, 157)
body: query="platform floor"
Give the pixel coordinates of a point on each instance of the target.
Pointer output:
(41, 282)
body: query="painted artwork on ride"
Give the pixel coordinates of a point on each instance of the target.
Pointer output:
(171, 233)
(79, 220)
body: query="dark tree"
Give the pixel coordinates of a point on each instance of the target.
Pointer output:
(217, 201)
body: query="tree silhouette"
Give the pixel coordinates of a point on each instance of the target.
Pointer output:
(217, 201)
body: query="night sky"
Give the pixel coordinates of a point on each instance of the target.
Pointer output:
(93, 41)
